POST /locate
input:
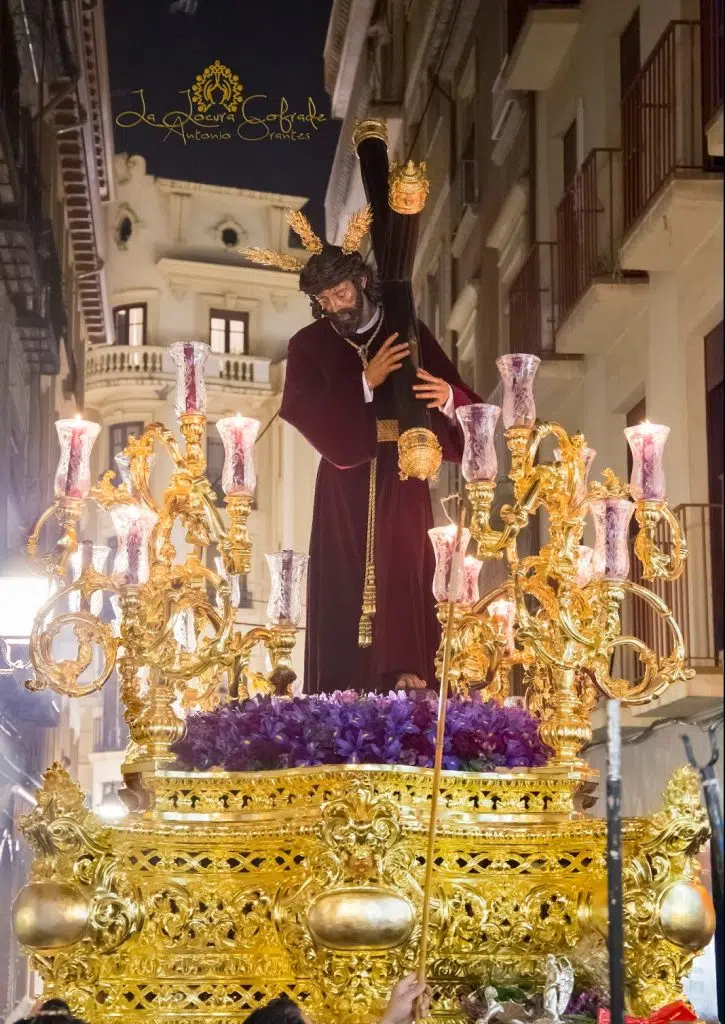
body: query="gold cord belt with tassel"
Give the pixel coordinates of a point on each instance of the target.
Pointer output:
(388, 430)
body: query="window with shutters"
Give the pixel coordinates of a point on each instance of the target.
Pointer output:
(118, 436)
(229, 332)
(129, 324)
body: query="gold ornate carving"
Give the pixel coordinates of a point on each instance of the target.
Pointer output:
(408, 187)
(369, 128)
(303, 229)
(228, 889)
(565, 631)
(271, 258)
(357, 228)
(419, 454)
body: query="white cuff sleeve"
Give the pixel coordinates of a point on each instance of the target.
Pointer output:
(449, 408)
(368, 391)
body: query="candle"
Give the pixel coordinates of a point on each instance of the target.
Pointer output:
(471, 571)
(73, 475)
(88, 555)
(134, 525)
(190, 358)
(584, 565)
(614, 862)
(647, 444)
(238, 434)
(286, 570)
(447, 583)
(502, 613)
(611, 546)
(478, 423)
(517, 372)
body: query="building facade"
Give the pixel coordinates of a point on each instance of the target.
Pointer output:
(175, 273)
(55, 174)
(576, 208)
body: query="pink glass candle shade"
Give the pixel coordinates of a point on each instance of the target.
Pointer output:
(286, 570)
(478, 423)
(88, 555)
(73, 475)
(503, 615)
(584, 565)
(238, 434)
(134, 525)
(517, 372)
(611, 546)
(647, 444)
(443, 539)
(190, 358)
(471, 571)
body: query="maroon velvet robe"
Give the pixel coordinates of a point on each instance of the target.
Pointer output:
(324, 399)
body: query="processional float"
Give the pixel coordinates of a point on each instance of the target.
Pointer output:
(223, 888)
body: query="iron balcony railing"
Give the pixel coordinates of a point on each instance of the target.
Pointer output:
(711, 55)
(696, 598)
(588, 226)
(662, 130)
(532, 303)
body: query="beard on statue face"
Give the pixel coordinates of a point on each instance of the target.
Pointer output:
(348, 320)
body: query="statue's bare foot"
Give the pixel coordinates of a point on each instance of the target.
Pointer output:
(409, 681)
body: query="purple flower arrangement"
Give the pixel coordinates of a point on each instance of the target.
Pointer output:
(350, 728)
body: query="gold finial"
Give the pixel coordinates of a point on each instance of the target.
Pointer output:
(357, 228)
(369, 128)
(270, 258)
(408, 187)
(610, 487)
(302, 227)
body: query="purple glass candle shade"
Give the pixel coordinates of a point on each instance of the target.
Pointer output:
(73, 475)
(238, 434)
(518, 371)
(286, 570)
(190, 358)
(647, 444)
(611, 546)
(443, 539)
(478, 423)
(134, 525)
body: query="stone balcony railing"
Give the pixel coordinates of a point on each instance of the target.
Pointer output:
(118, 365)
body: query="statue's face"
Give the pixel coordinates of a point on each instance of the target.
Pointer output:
(343, 305)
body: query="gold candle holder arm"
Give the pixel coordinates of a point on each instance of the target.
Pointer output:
(236, 547)
(64, 676)
(279, 641)
(657, 563)
(67, 511)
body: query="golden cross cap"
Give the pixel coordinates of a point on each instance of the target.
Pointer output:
(408, 187)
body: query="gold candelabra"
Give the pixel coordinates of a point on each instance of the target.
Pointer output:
(162, 670)
(559, 612)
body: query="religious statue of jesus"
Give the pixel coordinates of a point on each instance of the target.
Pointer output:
(338, 395)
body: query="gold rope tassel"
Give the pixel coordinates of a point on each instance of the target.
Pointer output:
(365, 629)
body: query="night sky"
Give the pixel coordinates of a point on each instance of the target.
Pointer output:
(275, 46)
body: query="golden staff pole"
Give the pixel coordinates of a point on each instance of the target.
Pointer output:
(438, 762)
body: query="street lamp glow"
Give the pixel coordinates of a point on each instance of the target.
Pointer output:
(21, 598)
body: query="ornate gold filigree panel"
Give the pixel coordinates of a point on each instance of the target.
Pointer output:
(229, 889)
